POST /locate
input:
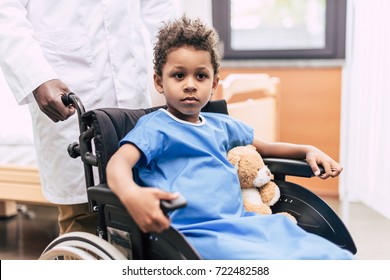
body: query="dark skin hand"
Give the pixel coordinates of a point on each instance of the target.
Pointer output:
(48, 97)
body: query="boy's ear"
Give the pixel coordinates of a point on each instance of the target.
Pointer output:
(158, 83)
(215, 84)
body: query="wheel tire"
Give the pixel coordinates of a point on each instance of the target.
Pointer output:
(81, 246)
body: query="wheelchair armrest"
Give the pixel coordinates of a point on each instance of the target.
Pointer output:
(293, 167)
(170, 242)
(104, 195)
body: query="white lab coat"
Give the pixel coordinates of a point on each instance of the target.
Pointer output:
(98, 48)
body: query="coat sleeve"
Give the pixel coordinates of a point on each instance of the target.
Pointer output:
(21, 58)
(154, 12)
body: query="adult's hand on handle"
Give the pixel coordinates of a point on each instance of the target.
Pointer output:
(48, 97)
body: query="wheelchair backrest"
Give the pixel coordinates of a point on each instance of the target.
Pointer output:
(110, 125)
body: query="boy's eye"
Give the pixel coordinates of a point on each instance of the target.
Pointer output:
(179, 75)
(202, 76)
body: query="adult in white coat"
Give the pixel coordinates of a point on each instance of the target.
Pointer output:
(96, 49)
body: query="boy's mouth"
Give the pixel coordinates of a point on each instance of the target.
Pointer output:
(190, 99)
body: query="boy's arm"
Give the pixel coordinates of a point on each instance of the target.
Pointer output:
(142, 203)
(311, 154)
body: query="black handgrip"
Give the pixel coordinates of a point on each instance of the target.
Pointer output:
(67, 99)
(170, 205)
(74, 150)
(291, 167)
(71, 99)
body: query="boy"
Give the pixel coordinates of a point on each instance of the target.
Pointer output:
(179, 150)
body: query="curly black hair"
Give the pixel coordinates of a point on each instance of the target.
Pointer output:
(185, 31)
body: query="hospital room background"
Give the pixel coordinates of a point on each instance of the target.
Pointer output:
(338, 103)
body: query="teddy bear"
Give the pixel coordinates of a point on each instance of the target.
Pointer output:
(258, 190)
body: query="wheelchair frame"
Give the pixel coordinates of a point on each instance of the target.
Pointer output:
(118, 236)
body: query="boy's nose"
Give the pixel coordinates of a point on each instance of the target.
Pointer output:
(189, 89)
(190, 85)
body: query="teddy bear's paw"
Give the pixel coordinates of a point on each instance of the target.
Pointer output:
(292, 218)
(258, 208)
(270, 193)
(264, 209)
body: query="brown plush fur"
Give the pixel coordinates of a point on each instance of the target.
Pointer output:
(248, 162)
(262, 208)
(246, 165)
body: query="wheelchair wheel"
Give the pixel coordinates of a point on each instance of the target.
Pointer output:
(80, 246)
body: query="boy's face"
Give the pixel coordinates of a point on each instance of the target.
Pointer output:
(187, 82)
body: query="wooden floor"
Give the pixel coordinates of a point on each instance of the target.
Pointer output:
(24, 236)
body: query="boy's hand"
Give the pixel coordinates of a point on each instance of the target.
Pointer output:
(317, 157)
(143, 204)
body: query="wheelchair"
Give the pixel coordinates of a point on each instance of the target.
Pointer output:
(118, 236)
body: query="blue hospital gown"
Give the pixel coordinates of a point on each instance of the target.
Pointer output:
(191, 159)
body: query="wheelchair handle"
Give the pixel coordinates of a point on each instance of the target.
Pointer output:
(71, 99)
(170, 205)
(66, 99)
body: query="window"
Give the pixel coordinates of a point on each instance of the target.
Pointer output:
(272, 29)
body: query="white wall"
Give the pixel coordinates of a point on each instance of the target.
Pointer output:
(365, 134)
